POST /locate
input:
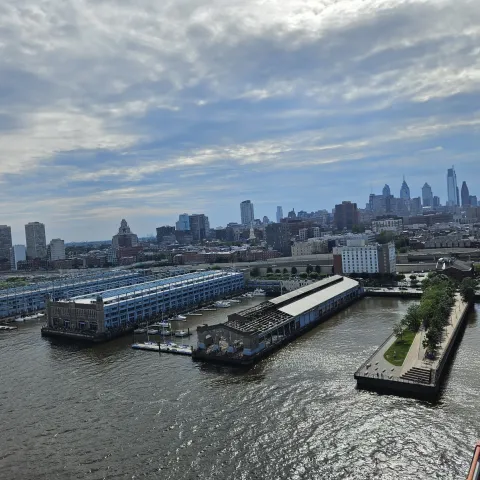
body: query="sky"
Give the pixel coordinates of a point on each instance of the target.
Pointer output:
(144, 110)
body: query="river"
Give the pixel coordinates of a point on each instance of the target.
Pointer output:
(70, 412)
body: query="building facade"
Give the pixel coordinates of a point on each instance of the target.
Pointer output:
(427, 195)
(387, 225)
(247, 214)
(36, 240)
(452, 188)
(5, 246)
(183, 224)
(465, 195)
(346, 216)
(199, 227)
(18, 253)
(124, 237)
(357, 257)
(279, 238)
(279, 214)
(405, 190)
(121, 308)
(56, 249)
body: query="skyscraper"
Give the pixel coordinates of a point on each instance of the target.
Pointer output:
(436, 201)
(5, 246)
(386, 191)
(452, 188)
(246, 212)
(465, 195)
(473, 201)
(346, 215)
(36, 240)
(183, 224)
(279, 214)
(57, 249)
(427, 195)
(124, 237)
(405, 191)
(18, 253)
(199, 227)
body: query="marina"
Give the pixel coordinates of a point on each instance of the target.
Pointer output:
(168, 347)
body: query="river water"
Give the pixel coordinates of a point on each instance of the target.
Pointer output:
(112, 412)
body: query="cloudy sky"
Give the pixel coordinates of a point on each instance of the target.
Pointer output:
(146, 109)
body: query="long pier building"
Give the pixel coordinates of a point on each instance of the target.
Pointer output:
(30, 298)
(107, 314)
(250, 335)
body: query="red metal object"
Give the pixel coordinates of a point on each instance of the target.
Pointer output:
(474, 472)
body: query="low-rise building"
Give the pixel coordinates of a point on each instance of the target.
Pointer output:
(387, 225)
(358, 257)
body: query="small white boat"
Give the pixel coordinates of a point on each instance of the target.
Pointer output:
(194, 314)
(248, 295)
(140, 330)
(36, 316)
(165, 332)
(152, 331)
(161, 325)
(222, 304)
(259, 292)
(181, 333)
(7, 328)
(180, 318)
(233, 300)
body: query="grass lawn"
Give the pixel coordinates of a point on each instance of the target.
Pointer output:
(401, 348)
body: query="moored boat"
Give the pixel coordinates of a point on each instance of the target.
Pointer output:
(222, 304)
(8, 328)
(181, 333)
(259, 292)
(180, 318)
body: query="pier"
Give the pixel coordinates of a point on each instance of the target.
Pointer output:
(418, 376)
(252, 334)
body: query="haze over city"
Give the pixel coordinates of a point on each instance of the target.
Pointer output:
(145, 111)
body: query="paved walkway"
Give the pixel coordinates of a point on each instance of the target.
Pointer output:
(379, 367)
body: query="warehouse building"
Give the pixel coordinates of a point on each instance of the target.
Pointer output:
(106, 314)
(253, 333)
(31, 298)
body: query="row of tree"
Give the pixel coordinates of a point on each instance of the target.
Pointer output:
(434, 310)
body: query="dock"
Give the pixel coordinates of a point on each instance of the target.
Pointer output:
(418, 376)
(169, 347)
(256, 332)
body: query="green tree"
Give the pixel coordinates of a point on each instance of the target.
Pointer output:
(467, 289)
(413, 319)
(285, 271)
(255, 272)
(303, 275)
(294, 270)
(313, 275)
(269, 270)
(318, 269)
(413, 277)
(398, 331)
(309, 269)
(277, 270)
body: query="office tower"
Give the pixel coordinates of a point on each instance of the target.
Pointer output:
(279, 214)
(473, 201)
(56, 249)
(266, 220)
(246, 212)
(377, 204)
(386, 191)
(5, 246)
(405, 191)
(124, 237)
(465, 195)
(427, 195)
(345, 216)
(36, 240)
(452, 188)
(415, 205)
(279, 238)
(436, 201)
(167, 233)
(199, 227)
(18, 253)
(183, 224)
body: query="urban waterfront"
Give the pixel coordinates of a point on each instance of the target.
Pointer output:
(110, 412)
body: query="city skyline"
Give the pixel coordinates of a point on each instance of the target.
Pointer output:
(301, 104)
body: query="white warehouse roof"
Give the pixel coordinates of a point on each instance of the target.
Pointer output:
(311, 301)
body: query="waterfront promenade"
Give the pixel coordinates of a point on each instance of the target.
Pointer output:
(418, 374)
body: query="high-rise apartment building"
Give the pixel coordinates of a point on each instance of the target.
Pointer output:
(452, 188)
(465, 195)
(183, 224)
(199, 227)
(345, 216)
(405, 190)
(279, 238)
(427, 195)
(36, 240)
(473, 201)
(279, 214)
(386, 192)
(357, 257)
(246, 212)
(436, 202)
(56, 249)
(5, 246)
(18, 253)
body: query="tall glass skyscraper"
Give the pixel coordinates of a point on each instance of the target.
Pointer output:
(427, 195)
(405, 190)
(452, 188)
(246, 212)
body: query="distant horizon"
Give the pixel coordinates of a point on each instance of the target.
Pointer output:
(194, 108)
